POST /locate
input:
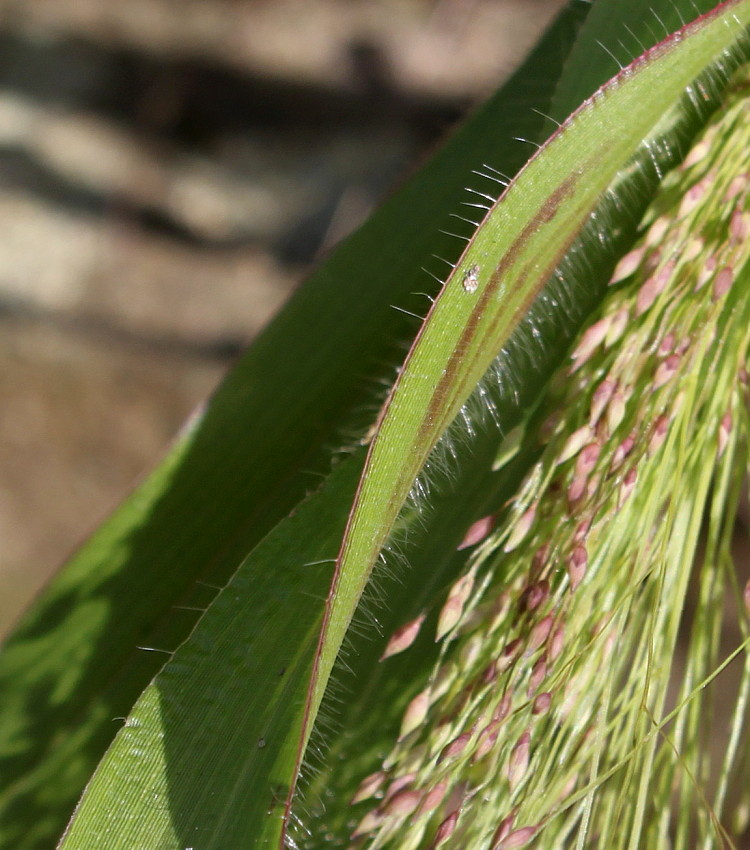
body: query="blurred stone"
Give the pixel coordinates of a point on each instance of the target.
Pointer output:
(82, 421)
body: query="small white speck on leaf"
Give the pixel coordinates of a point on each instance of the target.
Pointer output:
(470, 280)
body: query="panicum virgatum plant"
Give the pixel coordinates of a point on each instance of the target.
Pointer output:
(507, 612)
(553, 716)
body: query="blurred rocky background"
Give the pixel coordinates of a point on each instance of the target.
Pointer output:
(169, 170)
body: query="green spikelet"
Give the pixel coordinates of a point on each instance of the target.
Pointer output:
(558, 714)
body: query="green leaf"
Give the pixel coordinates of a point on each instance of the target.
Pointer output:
(201, 759)
(367, 721)
(164, 780)
(615, 34)
(628, 537)
(510, 258)
(263, 441)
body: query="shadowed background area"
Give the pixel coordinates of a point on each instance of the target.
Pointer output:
(169, 171)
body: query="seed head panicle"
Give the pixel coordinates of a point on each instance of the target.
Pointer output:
(556, 643)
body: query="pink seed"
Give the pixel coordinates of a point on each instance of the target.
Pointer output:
(692, 197)
(576, 490)
(403, 637)
(626, 488)
(519, 760)
(592, 487)
(575, 442)
(601, 398)
(540, 633)
(403, 803)
(369, 787)
(503, 830)
(666, 371)
(489, 674)
(706, 273)
(454, 748)
(556, 644)
(470, 651)
(577, 564)
(699, 152)
(723, 282)
(398, 784)
(517, 838)
(585, 463)
(434, 797)
(503, 709)
(693, 249)
(542, 703)
(445, 830)
(627, 265)
(623, 450)
(486, 740)
(620, 321)
(450, 614)
(653, 259)
(616, 412)
(415, 713)
(590, 340)
(370, 822)
(683, 345)
(658, 433)
(667, 344)
(477, 532)
(587, 458)
(739, 226)
(520, 529)
(538, 675)
(737, 186)
(582, 530)
(511, 648)
(508, 655)
(652, 288)
(537, 595)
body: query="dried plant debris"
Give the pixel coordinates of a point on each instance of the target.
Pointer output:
(547, 720)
